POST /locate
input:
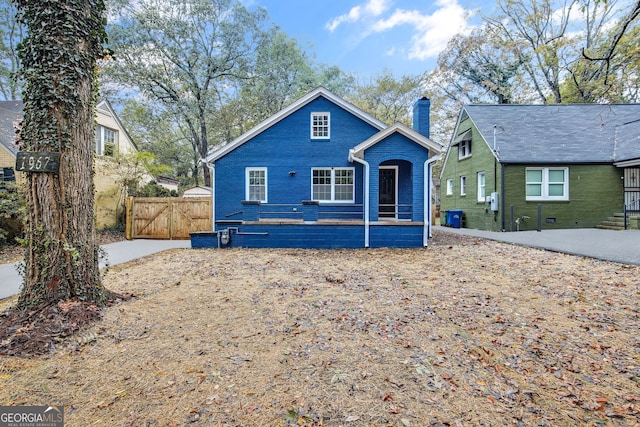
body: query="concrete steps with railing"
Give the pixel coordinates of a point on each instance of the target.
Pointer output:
(616, 222)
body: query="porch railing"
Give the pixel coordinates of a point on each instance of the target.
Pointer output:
(310, 210)
(630, 207)
(402, 212)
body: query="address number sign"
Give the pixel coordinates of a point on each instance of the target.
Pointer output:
(38, 161)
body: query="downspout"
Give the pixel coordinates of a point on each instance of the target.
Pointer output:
(212, 172)
(504, 203)
(352, 158)
(428, 172)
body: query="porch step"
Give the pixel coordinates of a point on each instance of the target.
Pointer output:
(616, 222)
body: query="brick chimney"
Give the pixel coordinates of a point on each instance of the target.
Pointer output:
(421, 111)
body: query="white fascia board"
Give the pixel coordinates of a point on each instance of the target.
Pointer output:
(227, 148)
(461, 115)
(416, 137)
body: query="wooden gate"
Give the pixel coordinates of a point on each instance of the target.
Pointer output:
(167, 217)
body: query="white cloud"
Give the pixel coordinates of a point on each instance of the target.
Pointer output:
(430, 32)
(372, 8)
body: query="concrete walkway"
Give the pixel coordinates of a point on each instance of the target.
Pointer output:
(609, 245)
(116, 253)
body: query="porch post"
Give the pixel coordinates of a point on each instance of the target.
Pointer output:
(427, 179)
(352, 158)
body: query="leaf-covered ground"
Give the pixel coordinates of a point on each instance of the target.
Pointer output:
(466, 332)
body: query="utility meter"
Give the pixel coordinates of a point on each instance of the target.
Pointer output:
(494, 201)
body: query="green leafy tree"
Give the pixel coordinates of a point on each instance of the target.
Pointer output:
(183, 56)
(11, 33)
(607, 69)
(481, 60)
(568, 45)
(389, 99)
(282, 72)
(155, 131)
(65, 38)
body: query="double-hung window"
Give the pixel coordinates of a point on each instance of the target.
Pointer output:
(547, 183)
(256, 184)
(332, 184)
(449, 187)
(481, 187)
(106, 141)
(463, 185)
(320, 126)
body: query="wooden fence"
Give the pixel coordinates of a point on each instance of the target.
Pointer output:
(167, 217)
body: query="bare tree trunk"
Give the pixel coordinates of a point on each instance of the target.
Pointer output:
(62, 252)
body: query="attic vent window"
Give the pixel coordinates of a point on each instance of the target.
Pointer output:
(320, 125)
(464, 149)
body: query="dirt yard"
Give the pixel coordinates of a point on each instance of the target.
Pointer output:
(466, 332)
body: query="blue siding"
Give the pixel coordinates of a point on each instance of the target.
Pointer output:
(410, 157)
(288, 153)
(317, 236)
(287, 147)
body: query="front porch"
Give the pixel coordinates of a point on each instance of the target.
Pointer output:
(310, 225)
(319, 235)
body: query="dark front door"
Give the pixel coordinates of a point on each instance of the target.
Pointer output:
(387, 197)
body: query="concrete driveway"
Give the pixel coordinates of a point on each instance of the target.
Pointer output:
(609, 245)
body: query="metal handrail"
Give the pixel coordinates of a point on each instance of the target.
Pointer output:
(626, 209)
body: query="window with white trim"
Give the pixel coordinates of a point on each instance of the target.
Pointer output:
(332, 184)
(320, 125)
(464, 149)
(482, 197)
(547, 183)
(256, 184)
(463, 185)
(450, 187)
(106, 141)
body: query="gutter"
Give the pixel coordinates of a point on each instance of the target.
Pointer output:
(426, 232)
(353, 158)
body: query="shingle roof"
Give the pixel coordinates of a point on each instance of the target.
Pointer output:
(9, 111)
(562, 133)
(627, 144)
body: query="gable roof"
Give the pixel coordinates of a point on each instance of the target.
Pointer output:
(559, 133)
(432, 146)
(10, 111)
(282, 114)
(105, 107)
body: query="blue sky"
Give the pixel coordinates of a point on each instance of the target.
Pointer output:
(366, 36)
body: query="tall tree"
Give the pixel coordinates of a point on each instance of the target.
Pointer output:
(387, 98)
(569, 44)
(184, 55)
(282, 72)
(482, 59)
(157, 133)
(608, 64)
(11, 33)
(65, 37)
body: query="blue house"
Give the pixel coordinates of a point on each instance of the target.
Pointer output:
(322, 173)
